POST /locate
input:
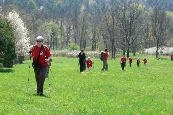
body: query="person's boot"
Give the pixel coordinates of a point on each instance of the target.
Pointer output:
(40, 93)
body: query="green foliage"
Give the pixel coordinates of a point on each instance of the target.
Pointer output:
(7, 47)
(73, 46)
(1, 65)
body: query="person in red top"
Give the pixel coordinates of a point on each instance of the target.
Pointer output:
(130, 61)
(138, 62)
(171, 57)
(145, 61)
(105, 58)
(123, 62)
(41, 58)
(89, 63)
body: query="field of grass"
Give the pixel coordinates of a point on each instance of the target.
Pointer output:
(137, 91)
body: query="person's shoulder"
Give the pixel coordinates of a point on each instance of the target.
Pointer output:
(45, 46)
(33, 46)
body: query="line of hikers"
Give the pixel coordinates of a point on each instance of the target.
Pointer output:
(123, 62)
(83, 62)
(42, 57)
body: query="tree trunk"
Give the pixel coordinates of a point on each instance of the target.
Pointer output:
(128, 52)
(94, 41)
(134, 51)
(157, 49)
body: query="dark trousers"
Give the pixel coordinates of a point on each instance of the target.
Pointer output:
(40, 75)
(130, 64)
(138, 64)
(123, 64)
(105, 65)
(82, 66)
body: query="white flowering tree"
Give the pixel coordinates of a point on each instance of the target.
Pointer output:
(22, 42)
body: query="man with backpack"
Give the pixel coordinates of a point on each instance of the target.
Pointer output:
(104, 58)
(41, 60)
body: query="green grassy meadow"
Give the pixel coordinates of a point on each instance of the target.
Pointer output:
(137, 91)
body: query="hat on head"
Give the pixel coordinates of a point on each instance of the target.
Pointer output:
(88, 57)
(82, 49)
(40, 38)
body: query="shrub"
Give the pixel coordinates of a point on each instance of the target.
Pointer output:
(73, 46)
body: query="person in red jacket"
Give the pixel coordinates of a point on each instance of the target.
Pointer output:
(130, 61)
(145, 61)
(138, 62)
(89, 63)
(171, 57)
(41, 59)
(105, 58)
(123, 62)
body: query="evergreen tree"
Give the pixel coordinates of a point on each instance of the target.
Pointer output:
(7, 41)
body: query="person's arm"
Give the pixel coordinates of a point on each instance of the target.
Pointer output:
(48, 54)
(31, 52)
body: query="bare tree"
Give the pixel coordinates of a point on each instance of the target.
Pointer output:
(131, 24)
(159, 27)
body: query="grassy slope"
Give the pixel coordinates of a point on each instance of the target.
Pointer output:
(144, 90)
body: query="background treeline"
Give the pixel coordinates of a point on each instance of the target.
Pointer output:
(129, 25)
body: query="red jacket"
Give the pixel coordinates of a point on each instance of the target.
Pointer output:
(145, 60)
(89, 63)
(105, 55)
(130, 60)
(137, 61)
(123, 60)
(44, 54)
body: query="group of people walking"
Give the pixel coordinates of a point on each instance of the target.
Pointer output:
(83, 62)
(42, 57)
(123, 62)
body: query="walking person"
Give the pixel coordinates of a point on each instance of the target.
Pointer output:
(130, 61)
(105, 60)
(82, 59)
(89, 63)
(138, 62)
(145, 61)
(41, 58)
(123, 62)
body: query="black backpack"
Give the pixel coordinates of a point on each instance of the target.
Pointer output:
(101, 56)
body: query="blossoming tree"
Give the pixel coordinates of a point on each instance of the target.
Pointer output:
(22, 42)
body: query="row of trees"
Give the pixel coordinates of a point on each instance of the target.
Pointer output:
(128, 25)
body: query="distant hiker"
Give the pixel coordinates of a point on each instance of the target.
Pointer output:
(105, 58)
(130, 61)
(82, 59)
(138, 62)
(145, 61)
(172, 57)
(41, 60)
(89, 63)
(123, 62)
